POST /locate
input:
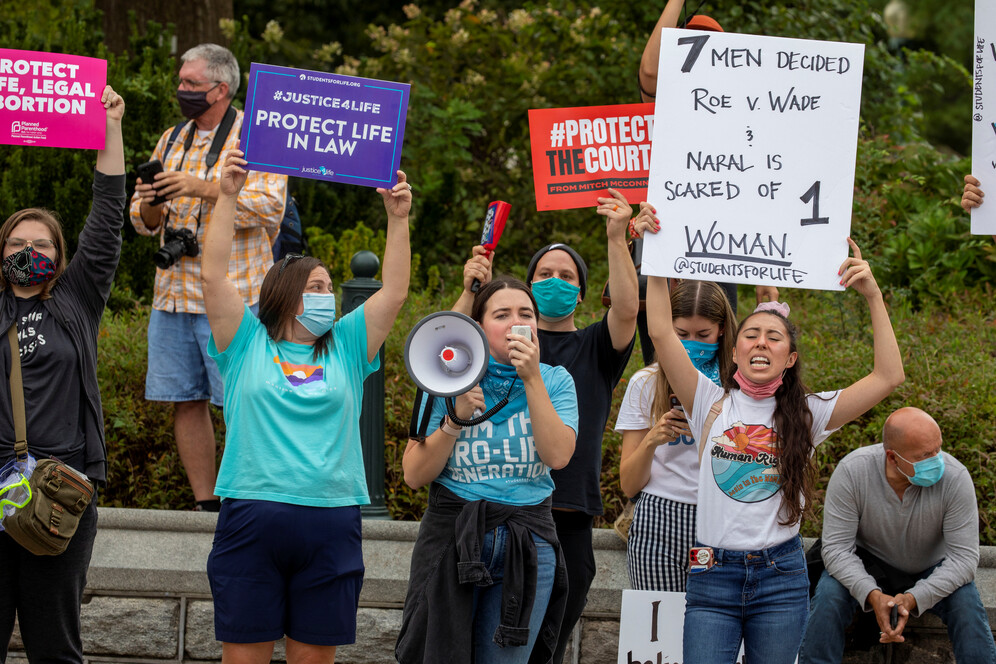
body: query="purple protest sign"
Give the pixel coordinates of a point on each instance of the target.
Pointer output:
(324, 126)
(52, 99)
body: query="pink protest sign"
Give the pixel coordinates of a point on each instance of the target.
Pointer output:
(51, 99)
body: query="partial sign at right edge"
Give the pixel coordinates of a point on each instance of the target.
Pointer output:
(984, 112)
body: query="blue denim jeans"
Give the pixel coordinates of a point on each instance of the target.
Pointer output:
(833, 608)
(487, 600)
(758, 597)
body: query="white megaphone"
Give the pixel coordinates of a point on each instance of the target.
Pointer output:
(446, 354)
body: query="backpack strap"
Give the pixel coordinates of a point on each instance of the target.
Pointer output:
(172, 139)
(714, 412)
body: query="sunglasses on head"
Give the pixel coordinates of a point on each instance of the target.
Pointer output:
(289, 258)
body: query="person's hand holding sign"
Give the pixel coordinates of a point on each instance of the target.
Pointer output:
(856, 273)
(645, 221)
(397, 199)
(973, 195)
(234, 174)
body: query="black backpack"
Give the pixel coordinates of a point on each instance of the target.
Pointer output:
(290, 238)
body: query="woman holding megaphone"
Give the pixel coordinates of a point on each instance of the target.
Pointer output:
(495, 590)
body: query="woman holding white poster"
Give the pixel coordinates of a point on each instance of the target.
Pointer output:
(756, 478)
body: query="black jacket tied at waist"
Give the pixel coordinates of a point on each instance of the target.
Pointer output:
(437, 624)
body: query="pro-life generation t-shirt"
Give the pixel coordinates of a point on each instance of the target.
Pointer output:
(739, 498)
(497, 459)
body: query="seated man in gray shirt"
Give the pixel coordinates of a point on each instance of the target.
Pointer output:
(900, 528)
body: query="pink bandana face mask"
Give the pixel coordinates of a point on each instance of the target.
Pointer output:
(27, 267)
(757, 390)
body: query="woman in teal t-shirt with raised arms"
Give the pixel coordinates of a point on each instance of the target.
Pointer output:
(287, 556)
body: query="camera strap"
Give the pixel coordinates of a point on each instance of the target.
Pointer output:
(220, 136)
(217, 143)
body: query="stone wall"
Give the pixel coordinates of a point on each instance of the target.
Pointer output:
(148, 598)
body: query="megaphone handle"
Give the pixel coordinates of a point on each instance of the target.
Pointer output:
(451, 411)
(417, 429)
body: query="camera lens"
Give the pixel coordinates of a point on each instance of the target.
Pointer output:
(168, 254)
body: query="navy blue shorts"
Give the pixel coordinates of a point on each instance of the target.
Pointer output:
(280, 569)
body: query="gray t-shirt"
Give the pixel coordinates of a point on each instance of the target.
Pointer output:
(929, 525)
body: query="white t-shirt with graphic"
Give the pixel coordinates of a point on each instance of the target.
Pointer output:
(674, 471)
(739, 484)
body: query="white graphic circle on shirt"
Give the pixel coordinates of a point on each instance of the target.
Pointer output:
(745, 462)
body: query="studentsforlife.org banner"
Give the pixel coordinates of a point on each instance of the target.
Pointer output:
(324, 126)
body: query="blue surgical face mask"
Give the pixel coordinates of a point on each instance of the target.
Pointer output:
(703, 356)
(926, 472)
(319, 313)
(555, 298)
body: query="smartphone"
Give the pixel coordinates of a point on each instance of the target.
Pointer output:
(675, 403)
(147, 172)
(894, 617)
(701, 557)
(524, 330)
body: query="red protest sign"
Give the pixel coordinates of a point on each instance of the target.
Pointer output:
(580, 152)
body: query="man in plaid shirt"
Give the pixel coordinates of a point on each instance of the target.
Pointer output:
(179, 369)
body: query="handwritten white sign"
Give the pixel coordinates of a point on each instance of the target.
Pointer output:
(984, 113)
(752, 164)
(650, 626)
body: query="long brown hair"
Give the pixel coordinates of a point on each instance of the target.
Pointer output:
(793, 425)
(50, 221)
(706, 299)
(281, 293)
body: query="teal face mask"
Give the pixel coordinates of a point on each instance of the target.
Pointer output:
(555, 298)
(319, 313)
(703, 356)
(926, 472)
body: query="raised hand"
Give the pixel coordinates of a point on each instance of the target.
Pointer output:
(973, 194)
(646, 220)
(478, 267)
(618, 213)
(857, 274)
(233, 173)
(113, 103)
(397, 199)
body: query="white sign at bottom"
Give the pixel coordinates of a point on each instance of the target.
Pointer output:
(650, 627)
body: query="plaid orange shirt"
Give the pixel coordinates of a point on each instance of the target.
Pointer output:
(258, 214)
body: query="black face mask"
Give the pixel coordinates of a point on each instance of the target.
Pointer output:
(193, 104)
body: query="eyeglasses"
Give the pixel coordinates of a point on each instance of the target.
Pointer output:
(17, 243)
(289, 258)
(190, 84)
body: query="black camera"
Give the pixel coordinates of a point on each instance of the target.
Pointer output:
(179, 242)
